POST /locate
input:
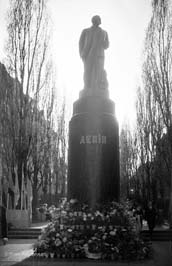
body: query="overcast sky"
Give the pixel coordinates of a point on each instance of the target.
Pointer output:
(124, 20)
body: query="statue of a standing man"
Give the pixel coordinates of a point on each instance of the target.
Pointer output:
(92, 43)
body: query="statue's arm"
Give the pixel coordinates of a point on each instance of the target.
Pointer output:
(106, 40)
(82, 43)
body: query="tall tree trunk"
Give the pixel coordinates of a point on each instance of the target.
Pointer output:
(170, 201)
(19, 176)
(34, 203)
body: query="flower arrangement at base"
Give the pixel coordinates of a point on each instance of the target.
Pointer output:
(106, 232)
(93, 248)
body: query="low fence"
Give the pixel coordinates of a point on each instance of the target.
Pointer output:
(19, 218)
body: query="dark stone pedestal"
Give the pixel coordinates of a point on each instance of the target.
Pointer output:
(93, 160)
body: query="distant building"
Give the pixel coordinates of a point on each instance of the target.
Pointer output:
(9, 182)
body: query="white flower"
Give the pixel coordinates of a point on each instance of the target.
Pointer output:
(58, 242)
(63, 213)
(65, 239)
(72, 201)
(113, 233)
(104, 237)
(145, 249)
(113, 212)
(61, 226)
(116, 249)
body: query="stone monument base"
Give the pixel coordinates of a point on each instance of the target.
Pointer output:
(93, 163)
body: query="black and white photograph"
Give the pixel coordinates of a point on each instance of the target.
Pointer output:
(85, 132)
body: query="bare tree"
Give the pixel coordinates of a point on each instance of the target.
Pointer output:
(27, 50)
(48, 153)
(158, 70)
(128, 162)
(7, 125)
(62, 134)
(149, 132)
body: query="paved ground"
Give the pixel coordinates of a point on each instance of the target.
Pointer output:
(15, 251)
(18, 251)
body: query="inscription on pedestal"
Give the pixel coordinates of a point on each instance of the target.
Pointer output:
(93, 165)
(93, 139)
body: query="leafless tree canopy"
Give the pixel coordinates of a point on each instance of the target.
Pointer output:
(32, 145)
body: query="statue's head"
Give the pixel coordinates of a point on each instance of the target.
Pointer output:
(96, 20)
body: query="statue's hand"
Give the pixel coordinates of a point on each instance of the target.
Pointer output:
(106, 40)
(83, 56)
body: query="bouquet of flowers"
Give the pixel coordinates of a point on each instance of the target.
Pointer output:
(77, 231)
